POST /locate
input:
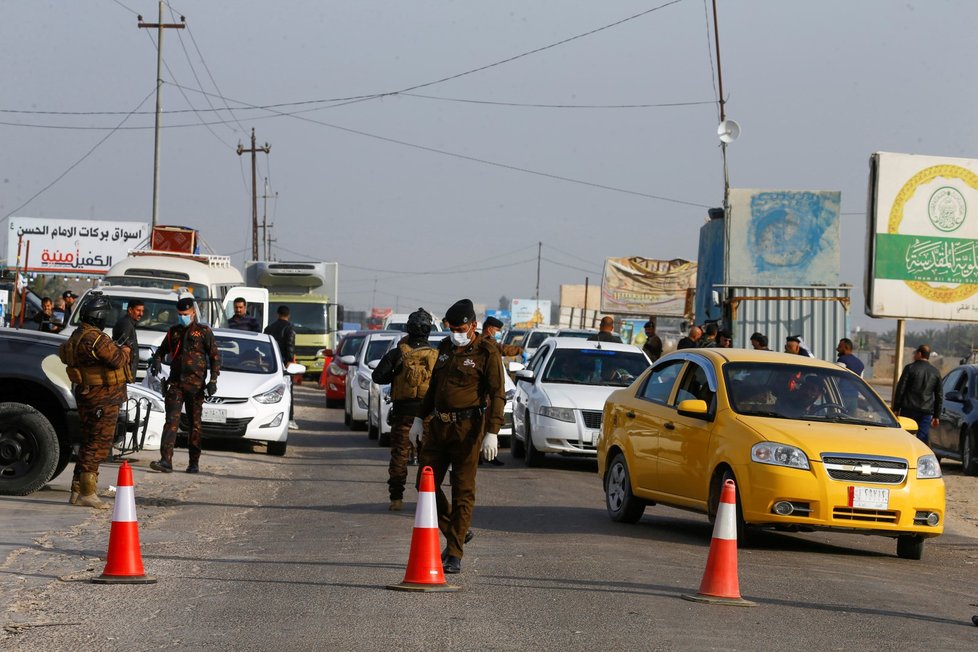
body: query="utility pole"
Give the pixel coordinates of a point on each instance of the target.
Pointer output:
(536, 296)
(254, 189)
(265, 237)
(160, 26)
(722, 102)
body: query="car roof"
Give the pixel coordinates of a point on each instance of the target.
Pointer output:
(241, 334)
(579, 343)
(137, 291)
(750, 355)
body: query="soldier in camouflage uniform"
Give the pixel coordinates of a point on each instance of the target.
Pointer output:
(99, 370)
(407, 368)
(192, 349)
(466, 382)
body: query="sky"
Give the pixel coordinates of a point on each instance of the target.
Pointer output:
(478, 129)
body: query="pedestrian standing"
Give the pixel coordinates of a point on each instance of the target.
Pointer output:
(69, 299)
(605, 331)
(691, 341)
(124, 331)
(468, 375)
(407, 369)
(653, 343)
(241, 320)
(847, 359)
(192, 350)
(46, 322)
(793, 345)
(491, 328)
(759, 342)
(918, 393)
(283, 333)
(98, 370)
(709, 339)
(724, 339)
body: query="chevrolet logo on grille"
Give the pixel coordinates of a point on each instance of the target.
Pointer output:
(864, 469)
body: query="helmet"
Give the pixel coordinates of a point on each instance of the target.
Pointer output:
(96, 310)
(419, 322)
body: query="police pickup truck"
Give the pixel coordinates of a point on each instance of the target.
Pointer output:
(39, 424)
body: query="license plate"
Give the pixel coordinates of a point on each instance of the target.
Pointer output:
(869, 498)
(214, 415)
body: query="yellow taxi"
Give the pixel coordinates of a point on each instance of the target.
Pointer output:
(809, 444)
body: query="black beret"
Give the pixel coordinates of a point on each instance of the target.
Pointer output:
(185, 303)
(649, 324)
(492, 322)
(462, 312)
(793, 338)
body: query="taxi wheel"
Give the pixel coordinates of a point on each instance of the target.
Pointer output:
(969, 463)
(910, 546)
(622, 504)
(533, 456)
(743, 533)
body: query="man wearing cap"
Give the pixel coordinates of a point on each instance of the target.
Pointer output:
(466, 382)
(69, 298)
(491, 327)
(653, 343)
(191, 349)
(606, 331)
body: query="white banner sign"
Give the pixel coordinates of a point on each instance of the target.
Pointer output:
(71, 246)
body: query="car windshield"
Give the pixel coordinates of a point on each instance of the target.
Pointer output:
(157, 315)
(514, 336)
(351, 345)
(246, 356)
(578, 334)
(803, 392)
(535, 339)
(308, 318)
(594, 367)
(376, 349)
(147, 279)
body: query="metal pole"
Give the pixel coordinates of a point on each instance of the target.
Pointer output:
(536, 296)
(264, 222)
(159, 111)
(722, 102)
(898, 354)
(254, 198)
(583, 314)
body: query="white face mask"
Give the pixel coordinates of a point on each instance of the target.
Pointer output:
(460, 339)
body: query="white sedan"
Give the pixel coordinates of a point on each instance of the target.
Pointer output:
(560, 397)
(358, 376)
(253, 391)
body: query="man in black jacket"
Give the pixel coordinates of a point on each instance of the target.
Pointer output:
(284, 334)
(124, 331)
(918, 393)
(605, 331)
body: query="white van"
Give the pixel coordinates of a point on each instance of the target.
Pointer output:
(398, 322)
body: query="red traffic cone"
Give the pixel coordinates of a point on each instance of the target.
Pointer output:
(720, 585)
(124, 563)
(424, 569)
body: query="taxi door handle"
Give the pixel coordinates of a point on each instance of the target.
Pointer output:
(630, 414)
(668, 425)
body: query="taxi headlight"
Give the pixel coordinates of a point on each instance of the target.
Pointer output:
(363, 381)
(271, 396)
(559, 413)
(768, 452)
(928, 467)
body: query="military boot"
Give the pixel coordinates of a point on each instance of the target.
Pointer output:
(75, 490)
(88, 496)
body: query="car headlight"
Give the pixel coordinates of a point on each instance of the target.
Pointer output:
(510, 393)
(779, 455)
(363, 381)
(156, 405)
(153, 382)
(559, 413)
(928, 467)
(336, 370)
(271, 396)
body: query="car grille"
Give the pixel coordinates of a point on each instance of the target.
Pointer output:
(864, 469)
(864, 515)
(224, 400)
(592, 418)
(307, 350)
(233, 427)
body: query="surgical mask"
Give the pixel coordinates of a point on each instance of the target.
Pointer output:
(185, 319)
(498, 337)
(460, 339)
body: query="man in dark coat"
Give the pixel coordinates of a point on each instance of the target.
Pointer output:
(281, 329)
(918, 393)
(124, 331)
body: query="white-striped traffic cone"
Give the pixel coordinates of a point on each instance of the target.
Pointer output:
(424, 569)
(720, 585)
(124, 563)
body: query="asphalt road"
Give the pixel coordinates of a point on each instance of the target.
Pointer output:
(295, 553)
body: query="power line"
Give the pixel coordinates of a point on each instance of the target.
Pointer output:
(580, 269)
(557, 106)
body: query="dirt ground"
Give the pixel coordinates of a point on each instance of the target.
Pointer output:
(962, 501)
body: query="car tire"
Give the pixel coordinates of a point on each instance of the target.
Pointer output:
(622, 504)
(334, 403)
(277, 448)
(373, 432)
(64, 456)
(516, 447)
(29, 449)
(347, 419)
(743, 532)
(910, 546)
(533, 456)
(359, 425)
(969, 462)
(383, 438)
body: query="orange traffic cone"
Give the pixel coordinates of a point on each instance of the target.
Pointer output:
(124, 563)
(720, 585)
(424, 569)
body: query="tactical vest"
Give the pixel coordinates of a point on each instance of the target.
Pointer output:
(84, 367)
(416, 367)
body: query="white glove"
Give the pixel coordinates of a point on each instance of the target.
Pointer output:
(490, 446)
(415, 432)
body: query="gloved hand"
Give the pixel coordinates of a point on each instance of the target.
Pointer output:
(415, 432)
(154, 366)
(211, 388)
(490, 446)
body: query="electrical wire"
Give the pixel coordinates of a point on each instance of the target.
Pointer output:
(709, 56)
(580, 269)
(557, 106)
(76, 163)
(567, 253)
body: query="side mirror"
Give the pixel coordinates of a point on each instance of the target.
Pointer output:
(325, 353)
(348, 360)
(953, 395)
(294, 368)
(525, 375)
(373, 364)
(516, 366)
(908, 424)
(693, 408)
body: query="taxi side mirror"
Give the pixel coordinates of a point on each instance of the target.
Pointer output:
(695, 408)
(908, 424)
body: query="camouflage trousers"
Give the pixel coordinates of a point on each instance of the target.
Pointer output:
(458, 445)
(98, 425)
(176, 399)
(400, 453)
